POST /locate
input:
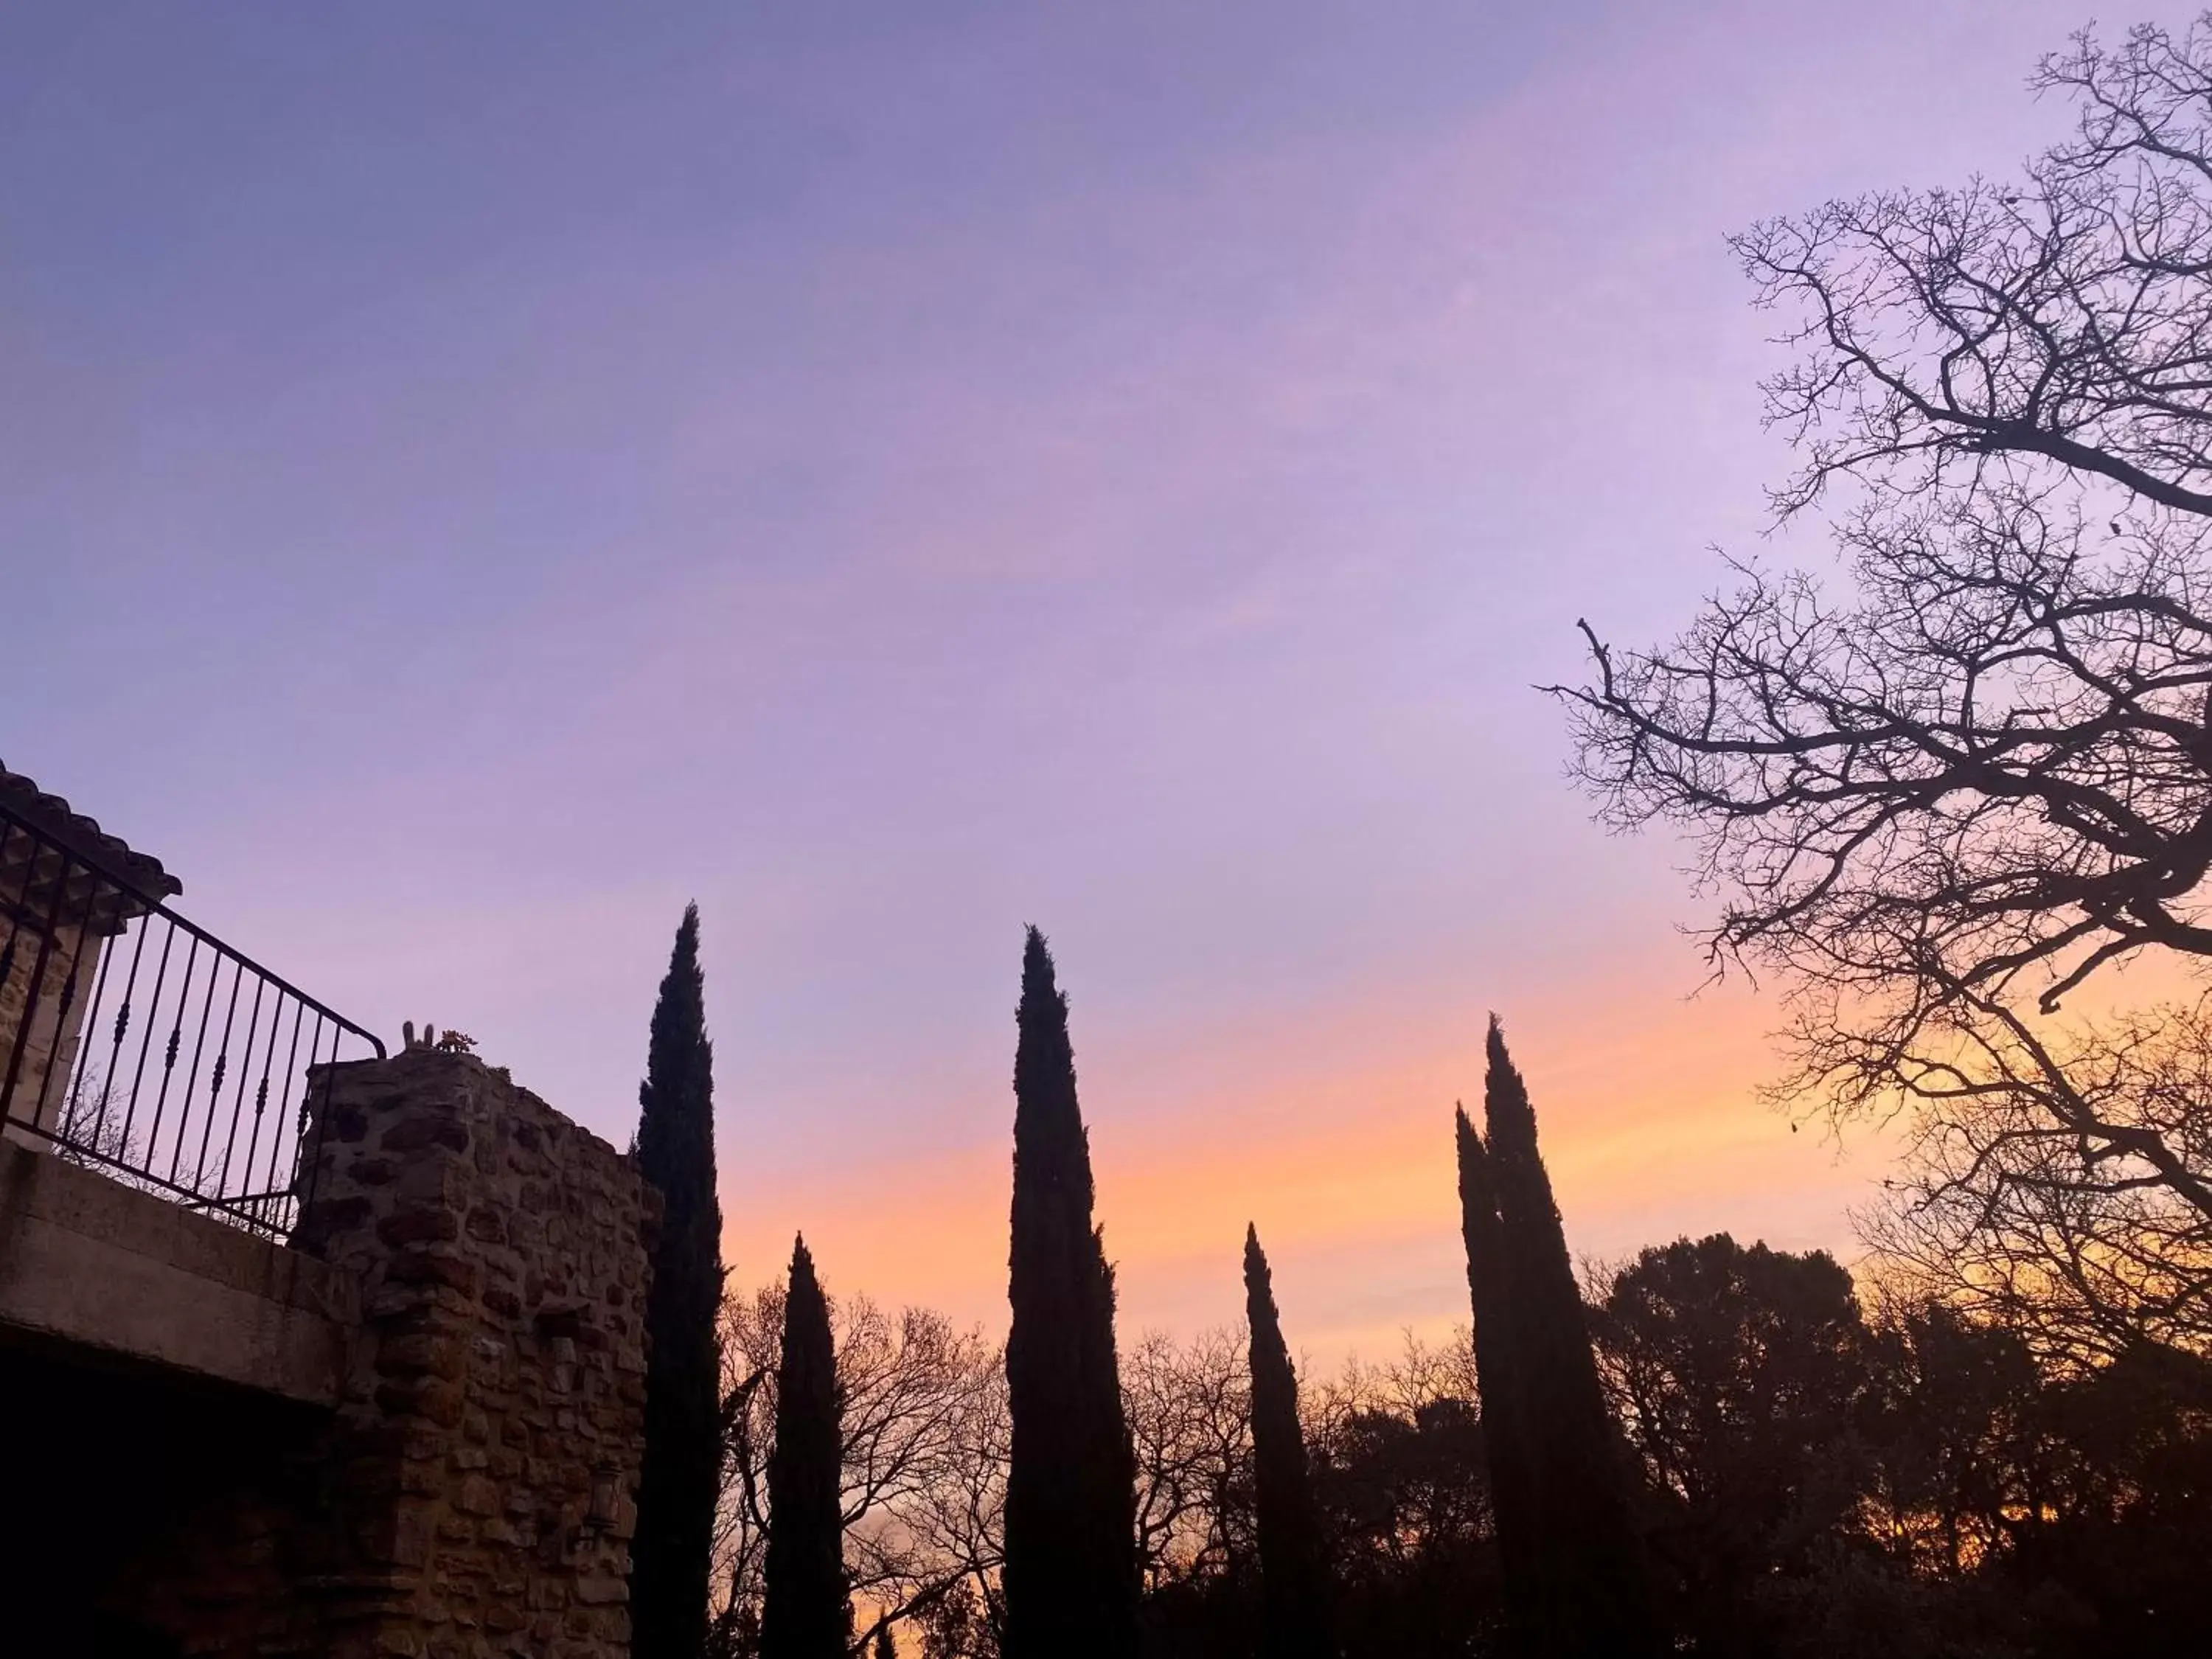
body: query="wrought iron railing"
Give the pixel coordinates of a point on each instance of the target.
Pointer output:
(135, 1042)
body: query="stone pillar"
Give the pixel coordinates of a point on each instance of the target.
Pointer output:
(482, 1478)
(55, 999)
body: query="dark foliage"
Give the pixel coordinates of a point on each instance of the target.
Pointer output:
(678, 1481)
(1819, 1484)
(1819, 1487)
(1954, 1411)
(1509, 1445)
(1742, 1378)
(1400, 1491)
(2125, 1528)
(1405, 1503)
(1293, 1576)
(805, 1613)
(1071, 1574)
(1579, 1585)
(1188, 1615)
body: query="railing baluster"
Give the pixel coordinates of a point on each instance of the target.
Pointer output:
(169, 1059)
(69, 993)
(100, 1121)
(284, 1094)
(115, 1049)
(238, 1100)
(91, 1023)
(306, 1153)
(261, 1089)
(193, 1076)
(146, 1028)
(215, 1080)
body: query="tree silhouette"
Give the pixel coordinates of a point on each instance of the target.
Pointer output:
(922, 1414)
(1741, 1375)
(1507, 1441)
(1293, 1573)
(1071, 1574)
(1948, 799)
(805, 1613)
(1585, 1590)
(678, 1481)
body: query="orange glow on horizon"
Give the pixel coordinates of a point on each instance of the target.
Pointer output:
(1650, 1130)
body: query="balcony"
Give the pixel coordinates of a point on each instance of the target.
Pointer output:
(135, 1042)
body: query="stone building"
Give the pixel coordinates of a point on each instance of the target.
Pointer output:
(401, 1414)
(57, 912)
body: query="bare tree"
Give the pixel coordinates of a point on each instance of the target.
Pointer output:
(924, 1452)
(1189, 1407)
(2014, 1214)
(2057, 318)
(926, 1441)
(1951, 804)
(927, 1447)
(961, 1519)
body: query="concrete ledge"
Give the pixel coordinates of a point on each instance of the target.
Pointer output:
(87, 1260)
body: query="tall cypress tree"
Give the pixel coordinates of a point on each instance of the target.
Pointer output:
(1072, 1574)
(1591, 1599)
(676, 1485)
(805, 1613)
(1295, 1601)
(1504, 1412)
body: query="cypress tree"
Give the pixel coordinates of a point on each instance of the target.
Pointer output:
(886, 1643)
(1293, 1573)
(805, 1612)
(1504, 1412)
(1593, 1600)
(678, 1481)
(1072, 1574)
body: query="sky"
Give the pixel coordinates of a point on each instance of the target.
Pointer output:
(475, 478)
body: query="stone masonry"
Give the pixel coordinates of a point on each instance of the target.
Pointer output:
(474, 1495)
(493, 1417)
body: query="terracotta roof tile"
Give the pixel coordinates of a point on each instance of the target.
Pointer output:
(56, 818)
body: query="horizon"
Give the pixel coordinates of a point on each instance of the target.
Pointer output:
(897, 479)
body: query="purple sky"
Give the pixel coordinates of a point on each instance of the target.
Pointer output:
(473, 478)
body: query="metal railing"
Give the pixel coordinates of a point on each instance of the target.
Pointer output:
(135, 1042)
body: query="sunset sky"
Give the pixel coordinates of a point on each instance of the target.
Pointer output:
(473, 479)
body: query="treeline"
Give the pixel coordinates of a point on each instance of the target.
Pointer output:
(1940, 798)
(1818, 1478)
(1713, 1449)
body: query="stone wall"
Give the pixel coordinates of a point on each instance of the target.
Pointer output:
(60, 963)
(474, 1493)
(493, 1417)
